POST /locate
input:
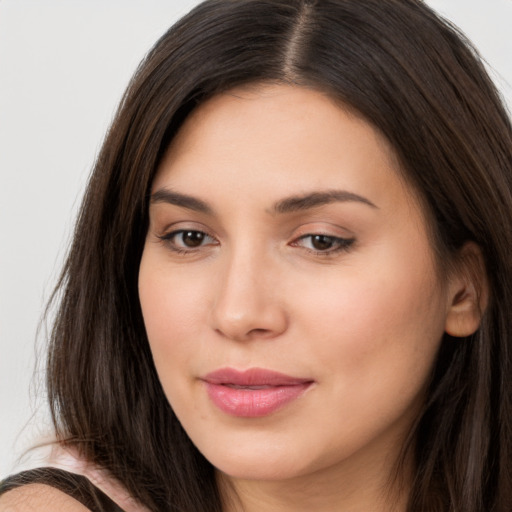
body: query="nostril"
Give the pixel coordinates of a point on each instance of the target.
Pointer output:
(259, 332)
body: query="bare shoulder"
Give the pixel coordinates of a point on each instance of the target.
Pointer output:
(40, 498)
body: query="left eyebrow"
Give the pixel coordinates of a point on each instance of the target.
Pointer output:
(315, 199)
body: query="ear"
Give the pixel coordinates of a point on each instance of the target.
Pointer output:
(468, 292)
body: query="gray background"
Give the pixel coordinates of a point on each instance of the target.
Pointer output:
(63, 68)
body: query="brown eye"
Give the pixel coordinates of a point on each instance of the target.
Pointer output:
(186, 240)
(192, 238)
(322, 242)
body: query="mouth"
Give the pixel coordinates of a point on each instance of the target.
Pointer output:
(253, 393)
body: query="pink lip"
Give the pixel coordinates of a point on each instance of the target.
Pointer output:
(252, 393)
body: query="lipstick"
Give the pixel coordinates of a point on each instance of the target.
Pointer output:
(253, 393)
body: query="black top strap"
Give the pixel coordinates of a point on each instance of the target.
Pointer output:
(76, 486)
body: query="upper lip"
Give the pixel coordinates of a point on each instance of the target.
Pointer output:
(252, 377)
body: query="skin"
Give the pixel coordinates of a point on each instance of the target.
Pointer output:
(39, 498)
(362, 320)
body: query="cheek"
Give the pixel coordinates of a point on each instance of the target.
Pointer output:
(174, 313)
(170, 312)
(381, 325)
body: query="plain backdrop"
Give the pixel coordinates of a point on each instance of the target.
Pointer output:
(63, 67)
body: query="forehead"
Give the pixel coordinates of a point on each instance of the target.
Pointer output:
(279, 140)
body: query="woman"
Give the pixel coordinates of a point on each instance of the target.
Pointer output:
(289, 287)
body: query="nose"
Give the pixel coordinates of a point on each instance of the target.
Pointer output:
(248, 303)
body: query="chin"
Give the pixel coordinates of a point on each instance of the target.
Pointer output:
(260, 463)
(254, 471)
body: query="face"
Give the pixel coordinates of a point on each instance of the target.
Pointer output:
(288, 287)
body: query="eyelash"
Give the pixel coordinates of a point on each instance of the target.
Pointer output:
(340, 244)
(168, 239)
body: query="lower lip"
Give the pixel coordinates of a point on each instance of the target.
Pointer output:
(254, 403)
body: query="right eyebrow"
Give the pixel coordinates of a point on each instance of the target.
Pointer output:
(165, 195)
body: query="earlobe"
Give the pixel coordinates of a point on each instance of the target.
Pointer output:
(468, 292)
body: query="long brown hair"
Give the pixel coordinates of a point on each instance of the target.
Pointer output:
(417, 80)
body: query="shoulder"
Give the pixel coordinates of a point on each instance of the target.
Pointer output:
(40, 498)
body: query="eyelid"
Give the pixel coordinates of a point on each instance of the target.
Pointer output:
(339, 244)
(164, 230)
(342, 241)
(175, 229)
(323, 228)
(174, 232)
